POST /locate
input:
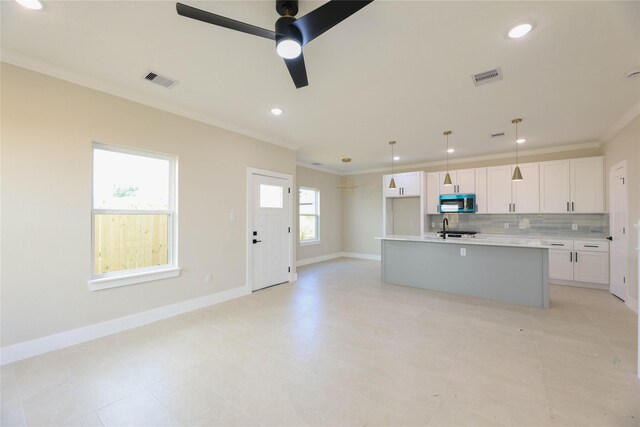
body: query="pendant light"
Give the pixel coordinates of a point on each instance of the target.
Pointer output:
(392, 184)
(517, 175)
(347, 185)
(447, 177)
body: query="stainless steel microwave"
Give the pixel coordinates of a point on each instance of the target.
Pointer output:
(458, 203)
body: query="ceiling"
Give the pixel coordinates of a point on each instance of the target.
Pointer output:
(396, 70)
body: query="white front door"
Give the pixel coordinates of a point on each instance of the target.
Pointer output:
(619, 230)
(269, 231)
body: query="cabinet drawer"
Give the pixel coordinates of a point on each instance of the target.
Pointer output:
(591, 246)
(559, 244)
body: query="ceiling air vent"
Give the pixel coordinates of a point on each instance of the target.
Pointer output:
(160, 80)
(497, 134)
(487, 77)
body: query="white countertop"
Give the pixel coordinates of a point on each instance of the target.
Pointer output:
(481, 241)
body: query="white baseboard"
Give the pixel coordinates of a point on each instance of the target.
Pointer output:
(314, 260)
(361, 256)
(334, 255)
(632, 303)
(27, 349)
(579, 284)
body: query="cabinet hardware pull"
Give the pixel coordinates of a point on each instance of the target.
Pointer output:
(591, 246)
(509, 207)
(514, 207)
(567, 206)
(557, 244)
(570, 256)
(576, 256)
(573, 208)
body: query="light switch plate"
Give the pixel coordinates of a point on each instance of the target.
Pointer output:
(574, 227)
(506, 225)
(463, 251)
(232, 216)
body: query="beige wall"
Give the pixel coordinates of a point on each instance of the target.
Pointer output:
(330, 212)
(362, 218)
(625, 145)
(48, 126)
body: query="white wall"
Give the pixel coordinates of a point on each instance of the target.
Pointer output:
(330, 212)
(48, 126)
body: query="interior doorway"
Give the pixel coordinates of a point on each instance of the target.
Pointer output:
(269, 216)
(619, 229)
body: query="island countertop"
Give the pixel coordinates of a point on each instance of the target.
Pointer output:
(485, 241)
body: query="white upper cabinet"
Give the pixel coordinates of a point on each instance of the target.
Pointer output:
(464, 181)
(499, 189)
(525, 194)
(575, 185)
(481, 190)
(506, 196)
(555, 186)
(408, 184)
(433, 193)
(587, 185)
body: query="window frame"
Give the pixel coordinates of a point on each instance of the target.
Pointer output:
(144, 274)
(315, 241)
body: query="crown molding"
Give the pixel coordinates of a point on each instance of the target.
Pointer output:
(523, 153)
(318, 168)
(620, 124)
(13, 58)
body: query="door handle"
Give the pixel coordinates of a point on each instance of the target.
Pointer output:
(256, 241)
(610, 238)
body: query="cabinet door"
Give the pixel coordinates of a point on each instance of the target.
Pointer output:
(560, 264)
(591, 267)
(526, 193)
(466, 181)
(410, 183)
(433, 193)
(499, 189)
(587, 185)
(555, 186)
(481, 190)
(391, 192)
(447, 189)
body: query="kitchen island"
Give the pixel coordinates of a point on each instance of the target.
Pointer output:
(509, 270)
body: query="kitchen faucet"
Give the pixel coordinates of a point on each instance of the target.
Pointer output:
(445, 223)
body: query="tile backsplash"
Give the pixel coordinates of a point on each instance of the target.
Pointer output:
(560, 225)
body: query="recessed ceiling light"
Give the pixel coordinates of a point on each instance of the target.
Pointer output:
(520, 30)
(521, 140)
(396, 157)
(451, 150)
(30, 4)
(277, 111)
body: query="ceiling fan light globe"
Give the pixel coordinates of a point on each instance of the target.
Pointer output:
(288, 48)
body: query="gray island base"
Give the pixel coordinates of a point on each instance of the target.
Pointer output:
(517, 274)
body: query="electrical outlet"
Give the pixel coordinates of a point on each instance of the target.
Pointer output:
(574, 227)
(463, 251)
(433, 225)
(208, 278)
(506, 225)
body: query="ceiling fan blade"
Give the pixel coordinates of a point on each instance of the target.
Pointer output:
(221, 21)
(298, 71)
(326, 16)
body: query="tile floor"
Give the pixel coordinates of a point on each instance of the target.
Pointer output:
(338, 348)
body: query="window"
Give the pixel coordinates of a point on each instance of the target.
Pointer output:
(133, 217)
(309, 215)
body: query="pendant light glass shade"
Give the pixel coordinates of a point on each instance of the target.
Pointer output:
(517, 175)
(447, 180)
(392, 183)
(447, 177)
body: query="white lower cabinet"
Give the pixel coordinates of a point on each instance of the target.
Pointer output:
(579, 261)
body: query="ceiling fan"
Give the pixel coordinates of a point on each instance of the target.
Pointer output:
(290, 33)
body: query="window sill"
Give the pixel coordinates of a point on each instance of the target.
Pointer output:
(309, 242)
(133, 278)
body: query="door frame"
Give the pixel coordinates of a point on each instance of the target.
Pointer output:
(620, 165)
(249, 253)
